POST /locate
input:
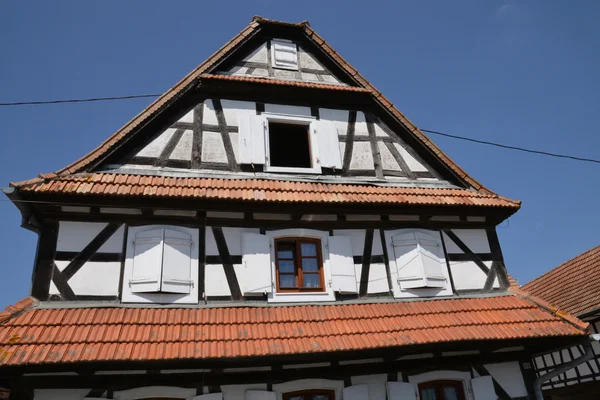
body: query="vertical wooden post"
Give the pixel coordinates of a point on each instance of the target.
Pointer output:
(44, 262)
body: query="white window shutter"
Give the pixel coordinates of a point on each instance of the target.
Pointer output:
(256, 260)
(401, 391)
(285, 54)
(209, 396)
(252, 130)
(430, 249)
(329, 145)
(177, 262)
(483, 388)
(356, 392)
(408, 260)
(341, 262)
(259, 395)
(147, 261)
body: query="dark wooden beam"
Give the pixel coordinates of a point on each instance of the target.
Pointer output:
(386, 257)
(234, 286)
(233, 165)
(500, 392)
(349, 144)
(374, 146)
(169, 147)
(366, 263)
(197, 135)
(467, 250)
(61, 284)
(400, 160)
(44, 264)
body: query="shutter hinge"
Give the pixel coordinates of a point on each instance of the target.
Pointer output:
(330, 282)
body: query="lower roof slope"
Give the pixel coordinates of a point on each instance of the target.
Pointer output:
(573, 286)
(37, 335)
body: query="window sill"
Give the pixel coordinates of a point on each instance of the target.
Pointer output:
(301, 297)
(294, 170)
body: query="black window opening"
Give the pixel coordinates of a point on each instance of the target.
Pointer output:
(289, 145)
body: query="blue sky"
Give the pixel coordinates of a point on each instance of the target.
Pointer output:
(520, 72)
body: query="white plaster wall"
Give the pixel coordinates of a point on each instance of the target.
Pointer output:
(362, 156)
(360, 126)
(285, 109)
(387, 159)
(467, 275)
(93, 279)
(338, 117)
(155, 147)
(509, 376)
(475, 239)
(236, 392)
(75, 236)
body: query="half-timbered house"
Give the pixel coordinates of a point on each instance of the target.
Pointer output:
(272, 227)
(574, 287)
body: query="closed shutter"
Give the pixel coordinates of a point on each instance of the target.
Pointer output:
(252, 130)
(356, 392)
(177, 262)
(341, 262)
(256, 259)
(209, 396)
(285, 54)
(147, 261)
(401, 391)
(259, 395)
(418, 260)
(483, 388)
(329, 145)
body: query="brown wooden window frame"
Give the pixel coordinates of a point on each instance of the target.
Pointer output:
(309, 392)
(298, 271)
(439, 388)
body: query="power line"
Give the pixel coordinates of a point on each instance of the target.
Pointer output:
(85, 100)
(139, 96)
(504, 146)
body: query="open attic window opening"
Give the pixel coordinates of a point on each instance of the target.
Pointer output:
(289, 145)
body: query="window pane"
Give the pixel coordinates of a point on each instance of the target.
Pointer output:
(282, 252)
(312, 281)
(286, 266)
(310, 265)
(320, 397)
(287, 280)
(428, 394)
(309, 249)
(450, 393)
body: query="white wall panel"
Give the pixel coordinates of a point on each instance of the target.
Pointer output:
(285, 109)
(378, 282)
(509, 376)
(75, 236)
(216, 281)
(94, 278)
(467, 275)
(475, 239)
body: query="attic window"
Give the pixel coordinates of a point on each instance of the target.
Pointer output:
(289, 145)
(284, 54)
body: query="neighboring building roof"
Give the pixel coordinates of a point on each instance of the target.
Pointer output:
(37, 335)
(260, 190)
(573, 286)
(204, 70)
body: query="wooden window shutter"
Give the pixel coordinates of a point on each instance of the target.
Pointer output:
(256, 260)
(329, 145)
(356, 392)
(418, 260)
(147, 261)
(483, 388)
(341, 262)
(285, 54)
(259, 395)
(252, 129)
(401, 391)
(177, 262)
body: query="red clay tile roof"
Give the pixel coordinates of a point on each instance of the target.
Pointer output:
(63, 335)
(260, 190)
(191, 80)
(574, 286)
(283, 82)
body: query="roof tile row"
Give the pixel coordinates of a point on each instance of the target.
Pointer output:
(260, 190)
(42, 336)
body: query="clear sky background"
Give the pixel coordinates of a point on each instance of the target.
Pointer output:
(519, 72)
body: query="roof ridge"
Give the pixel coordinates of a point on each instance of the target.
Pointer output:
(553, 310)
(560, 266)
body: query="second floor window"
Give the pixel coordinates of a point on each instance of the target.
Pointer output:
(315, 394)
(299, 265)
(442, 390)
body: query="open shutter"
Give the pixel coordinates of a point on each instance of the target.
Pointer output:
(483, 388)
(341, 262)
(356, 392)
(329, 145)
(256, 261)
(401, 391)
(252, 130)
(430, 249)
(147, 261)
(259, 395)
(177, 262)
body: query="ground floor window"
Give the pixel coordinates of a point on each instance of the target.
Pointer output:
(313, 394)
(442, 390)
